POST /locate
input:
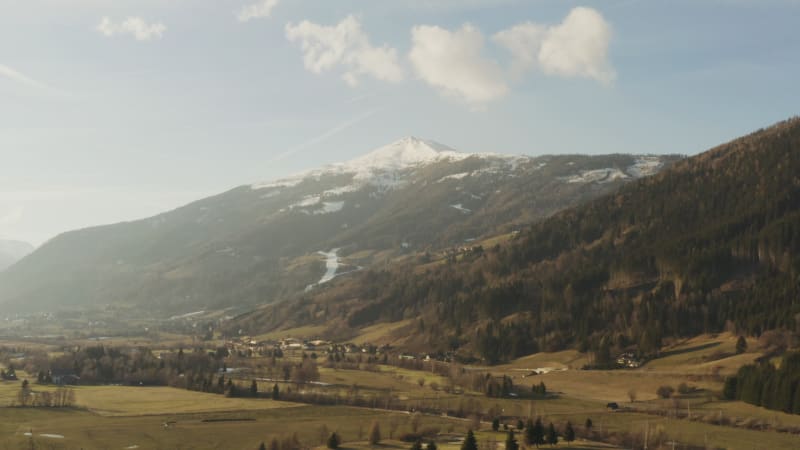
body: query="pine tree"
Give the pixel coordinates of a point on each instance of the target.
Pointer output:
(262, 447)
(530, 438)
(495, 424)
(511, 441)
(520, 425)
(469, 442)
(431, 446)
(276, 393)
(334, 441)
(375, 433)
(417, 445)
(569, 433)
(741, 345)
(538, 432)
(588, 424)
(552, 436)
(729, 390)
(254, 388)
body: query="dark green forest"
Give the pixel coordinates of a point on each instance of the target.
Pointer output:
(765, 385)
(710, 244)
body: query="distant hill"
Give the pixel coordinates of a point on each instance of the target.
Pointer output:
(261, 243)
(13, 251)
(709, 244)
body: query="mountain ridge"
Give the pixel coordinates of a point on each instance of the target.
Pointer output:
(12, 251)
(708, 244)
(260, 243)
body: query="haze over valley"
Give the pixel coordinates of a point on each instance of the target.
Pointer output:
(455, 225)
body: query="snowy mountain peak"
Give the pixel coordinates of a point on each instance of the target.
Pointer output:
(406, 152)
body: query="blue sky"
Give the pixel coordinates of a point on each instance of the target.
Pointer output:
(118, 109)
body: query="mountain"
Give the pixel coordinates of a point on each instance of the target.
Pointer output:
(260, 243)
(13, 251)
(709, 244)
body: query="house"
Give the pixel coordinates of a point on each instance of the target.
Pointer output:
(64, 377)
(629, 360)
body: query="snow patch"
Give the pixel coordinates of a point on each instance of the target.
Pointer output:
(306, 201)
(341, 190)
(330, 207)
(461, 208)
(331, 265)
(645, 166)
(597, 176)
(455, 176)
(187, 315)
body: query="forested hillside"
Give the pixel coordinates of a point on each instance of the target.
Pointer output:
(712, 243)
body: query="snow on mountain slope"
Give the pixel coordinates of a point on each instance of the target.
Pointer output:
(645, 166)
(379, 166)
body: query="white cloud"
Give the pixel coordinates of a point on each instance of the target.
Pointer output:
(522, 41)
(344, 45)
(134, 26)
(258, 10)
(453, 62)
(577, 47)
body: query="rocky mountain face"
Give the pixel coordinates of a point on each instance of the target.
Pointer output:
(267, 241)
(13, 251)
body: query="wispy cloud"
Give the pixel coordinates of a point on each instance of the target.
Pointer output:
(326, 135)
(13, 75)
(134, 26)
(24, 80)
(258, 10)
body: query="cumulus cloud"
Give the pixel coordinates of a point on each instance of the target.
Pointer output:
(453, 62)
(256, 10)
(345, 46)
(134, 26)
(577, 47)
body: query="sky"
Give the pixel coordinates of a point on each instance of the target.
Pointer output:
(114, 110)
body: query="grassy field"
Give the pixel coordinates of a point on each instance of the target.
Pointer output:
(131, 401)
(160, 417)
(241, 430)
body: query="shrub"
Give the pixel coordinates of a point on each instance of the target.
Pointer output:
(665, 391)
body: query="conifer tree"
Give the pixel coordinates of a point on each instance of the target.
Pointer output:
(538, 433)
(569, 433)
(375, 433)
(511, 441)
(254, 388)
(334, 441)
(469, 442)
(552, 436)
